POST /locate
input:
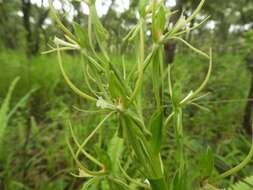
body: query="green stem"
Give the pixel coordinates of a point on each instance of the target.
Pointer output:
(179, 137)
(69, 82)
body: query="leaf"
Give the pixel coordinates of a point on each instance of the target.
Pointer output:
(99, 28)
(115, 87)
(120, 183)
(176, 182)
(157, 58)
(4, 109)
(104, 158)
(157, 183)
(156, 129)
(115, 149)
(132, 34)
(138, 122)
(142, 7)
(120, 129)
(133, 135)
(59, 42)
(91, 182)
(206, 163)
(68, 81)
(81, 34)
(179, 181)
(244, 184)
(180, 24)
(20, 103)
(83, 174)
(176, 93)
(158, 23)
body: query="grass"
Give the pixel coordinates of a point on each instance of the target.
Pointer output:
(201, 127)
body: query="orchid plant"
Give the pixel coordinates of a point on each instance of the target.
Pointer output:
(115, 92)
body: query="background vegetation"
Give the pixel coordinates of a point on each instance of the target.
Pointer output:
(35, 103)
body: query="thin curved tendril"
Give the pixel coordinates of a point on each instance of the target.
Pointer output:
(89, 183)
(168, 118)
(196, 11)
(68, 81)
(132, 180)
(192, 28)
(189, 45)
(90, 157)
(203, 84)
(57, 19)
(93, 132)
(121, 183)
(90, 111)
(55, 49)
(90, 173)
(86, 78)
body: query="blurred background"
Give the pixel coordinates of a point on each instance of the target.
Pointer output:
(35, 106)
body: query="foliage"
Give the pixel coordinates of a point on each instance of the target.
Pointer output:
(245, 184)
(34, 154)
(4, 116)
(123, 97)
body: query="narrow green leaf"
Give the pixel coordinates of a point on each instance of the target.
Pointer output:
(142, 7)
(81, 34)
(158, 184)
(99, 28)
(115, 87)
(4, 109)
(206, 163)
(158, 22)
(114, 150)
(104, 157)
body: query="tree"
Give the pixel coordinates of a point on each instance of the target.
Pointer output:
(170, 47)
(33, 30)
(10, 23)
(26, 9)
(247, 118)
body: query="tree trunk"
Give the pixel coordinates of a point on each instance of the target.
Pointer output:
(8, 32)
(170, 47)
(247, 120)
(37, 31)
(26, 9)
(78, 16)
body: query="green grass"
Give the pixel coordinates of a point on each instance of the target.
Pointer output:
(48, 147)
